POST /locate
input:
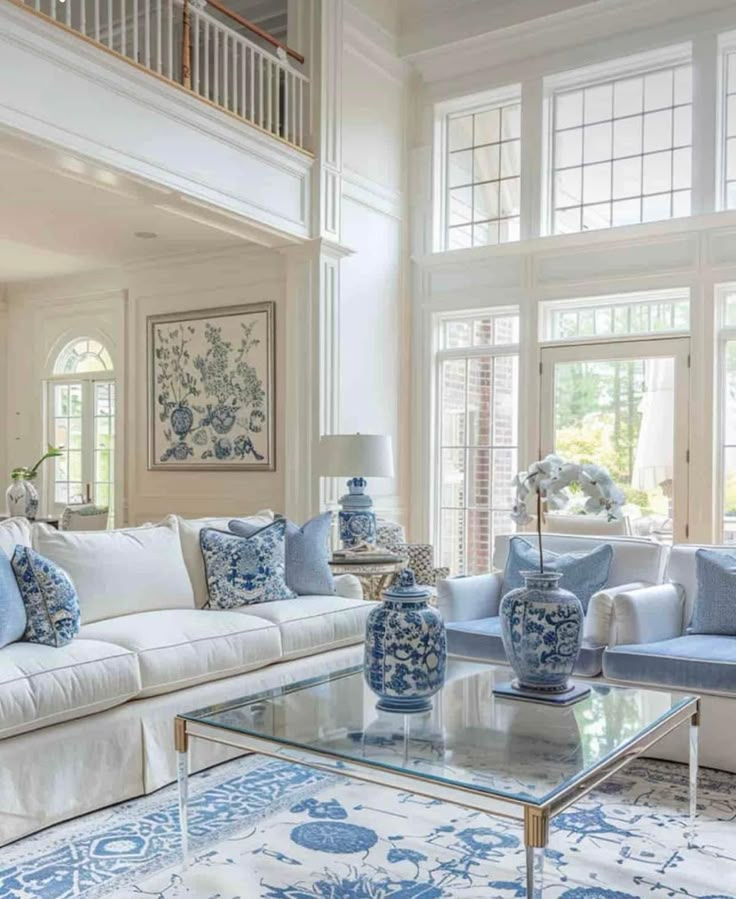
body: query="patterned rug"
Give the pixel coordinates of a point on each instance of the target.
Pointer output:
(271, 830)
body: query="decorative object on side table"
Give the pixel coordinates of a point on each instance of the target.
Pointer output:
(22, 497)
(212, 388)
(405, 648)
(356, 456)
(541, 623)
(374, 569)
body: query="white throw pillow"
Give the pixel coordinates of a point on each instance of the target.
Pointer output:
(189, 529)
(14, 532)
(123, 571)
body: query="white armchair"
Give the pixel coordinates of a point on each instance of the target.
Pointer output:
(470, 605)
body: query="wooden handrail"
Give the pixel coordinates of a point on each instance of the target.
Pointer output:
(256, 29)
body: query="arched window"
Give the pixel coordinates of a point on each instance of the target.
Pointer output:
(81, 408)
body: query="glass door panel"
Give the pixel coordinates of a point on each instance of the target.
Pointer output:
(624, 406)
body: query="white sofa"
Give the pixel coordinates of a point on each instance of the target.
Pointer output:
(90, 723)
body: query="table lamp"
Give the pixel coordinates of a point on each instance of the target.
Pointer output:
(356, 456)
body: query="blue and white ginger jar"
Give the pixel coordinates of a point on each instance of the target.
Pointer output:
(542, 628)
(405, 648)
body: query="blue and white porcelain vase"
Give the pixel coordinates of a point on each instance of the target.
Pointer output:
(22, 498)
(542, 628)
(357, 519)
(405, 648)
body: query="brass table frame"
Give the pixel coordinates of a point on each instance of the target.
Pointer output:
(535, 817)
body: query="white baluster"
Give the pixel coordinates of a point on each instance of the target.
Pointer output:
(53, 9)
(68, 12)
(159, 37)
(96, 18)
(252, 86)
(110, 18)
(123, 28)
(82, 17)
(261, 90)
(170, 39)
(195, 64)
(206, 59)
(225, 54)
(216, 70)
(300, 120)
(243, 78)
(147, 34)
(136, 16)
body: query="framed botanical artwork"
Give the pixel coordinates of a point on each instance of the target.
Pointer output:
(211, 398)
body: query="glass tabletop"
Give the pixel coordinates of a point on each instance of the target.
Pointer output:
(526, 752)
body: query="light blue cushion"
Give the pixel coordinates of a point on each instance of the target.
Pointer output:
(691, 662)
(308, 571)
(481, 639)
(714, 611)
(49, 597)
(245, 570)
(582, 573)
(12, 610)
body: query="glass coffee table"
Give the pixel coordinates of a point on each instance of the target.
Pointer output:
(517, 760)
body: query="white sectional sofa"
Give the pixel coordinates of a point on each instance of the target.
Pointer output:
(90, 723)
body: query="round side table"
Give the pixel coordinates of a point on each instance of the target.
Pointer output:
(373, 576)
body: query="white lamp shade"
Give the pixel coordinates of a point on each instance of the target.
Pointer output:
(356, 455)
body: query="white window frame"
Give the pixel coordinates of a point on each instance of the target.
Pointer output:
(468, 105)
(726, 47)
(589, 76)
(440, 355)
(726, 334)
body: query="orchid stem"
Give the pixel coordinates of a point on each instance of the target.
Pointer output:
(539, 530)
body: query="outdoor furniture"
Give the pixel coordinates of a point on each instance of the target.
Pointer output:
(84, 517)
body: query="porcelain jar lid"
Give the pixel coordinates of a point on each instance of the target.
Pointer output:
(406, 587)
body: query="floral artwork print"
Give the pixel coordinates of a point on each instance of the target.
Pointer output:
(212, 388)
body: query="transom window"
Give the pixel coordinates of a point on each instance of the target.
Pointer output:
(477, 435)
(81, 407)
(621, 150)
(483, 176)
(653, 312)
(729, 119)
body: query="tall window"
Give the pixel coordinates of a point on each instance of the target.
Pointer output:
(621, 150)
(729, 129)
(81, 409)
(728, 451)
(477, 435)
(483, 176)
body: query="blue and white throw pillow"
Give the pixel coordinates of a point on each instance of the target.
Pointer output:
(245, 570)
(582, 573)
(12, 610)
(714, 611)
(49, 597)
(308, 571)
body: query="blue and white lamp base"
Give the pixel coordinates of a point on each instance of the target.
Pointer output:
(357, 520)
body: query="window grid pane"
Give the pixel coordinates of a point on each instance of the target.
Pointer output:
(67, 427)
(104, 445)
(478, 438)
(729, 443)
(483, 177)
(729, 161)
(622, 151)
(615, 316)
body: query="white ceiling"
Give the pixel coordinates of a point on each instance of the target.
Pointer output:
(60, 215)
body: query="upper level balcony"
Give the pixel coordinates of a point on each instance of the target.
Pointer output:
(188, 94)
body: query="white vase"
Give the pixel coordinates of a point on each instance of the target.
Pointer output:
(22, 499)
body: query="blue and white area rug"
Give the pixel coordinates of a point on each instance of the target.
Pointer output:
(271, 830)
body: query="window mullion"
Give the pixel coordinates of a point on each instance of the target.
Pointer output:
(88, 435)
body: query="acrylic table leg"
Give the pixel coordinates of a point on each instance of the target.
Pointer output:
(182, 776)
(534, 872)
(694, 729)
(536, 836)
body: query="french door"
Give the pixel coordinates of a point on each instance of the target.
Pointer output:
(625, 406)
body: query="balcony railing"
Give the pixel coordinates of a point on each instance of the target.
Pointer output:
(187, 42)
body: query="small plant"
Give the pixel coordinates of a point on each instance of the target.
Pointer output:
(550, 480)
(22, 473)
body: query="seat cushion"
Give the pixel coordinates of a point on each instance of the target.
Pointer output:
(178, 648)
(42, 685)
(120, 572)
(311, 624)
(481, 639)
(692, 662)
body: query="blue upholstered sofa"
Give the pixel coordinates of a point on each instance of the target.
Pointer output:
(470, 604)
(635, 634)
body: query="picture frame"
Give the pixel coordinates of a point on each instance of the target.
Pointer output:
(212, 389)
